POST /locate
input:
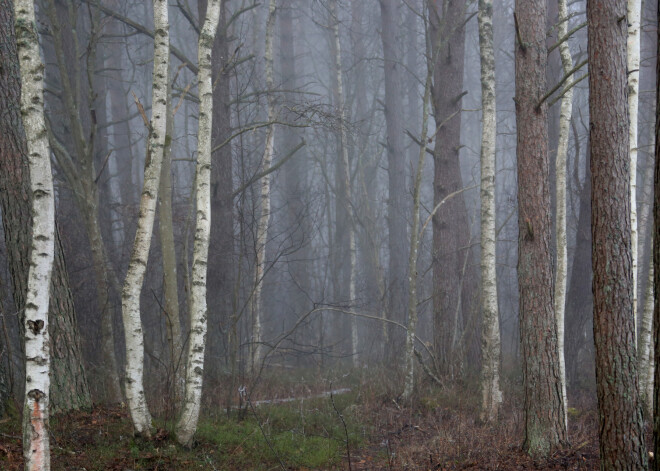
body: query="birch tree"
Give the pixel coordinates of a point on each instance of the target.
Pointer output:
(415, 232)
(565, 114)
(37, 358)
(490, 375)
(264, 197)
(633, 48)
(137, 403)
(69, 388)
(187, 424)
(345, 197)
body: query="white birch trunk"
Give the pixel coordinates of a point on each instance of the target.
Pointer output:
(130, 299)
(256, 350)
(634, 15)
(36, 428)
(409, 367)
(562, 152)
(187, 424)
(346, 197)
(490, 381)
(646, 363)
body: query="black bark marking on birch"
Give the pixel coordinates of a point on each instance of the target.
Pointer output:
(36, 394)
(35, 327)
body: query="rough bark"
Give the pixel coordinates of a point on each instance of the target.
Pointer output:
(545, 427)
(619, 406)
(69, 389)
(297, 220)
(36, 428)
(187, 424)
(450, 225)
(491, 352)
(656, 263)
(579, 300)
(397, 211)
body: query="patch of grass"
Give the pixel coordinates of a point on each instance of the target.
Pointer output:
(301, 434)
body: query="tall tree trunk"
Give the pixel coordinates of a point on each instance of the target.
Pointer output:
(491, 352)
(221, 274)
(187, 424)
(397, 220)
(560, 171)
(646, 344)
(545, 425)
(256, 347)
(579, 300)
(36, 428)
(137, 402)
(656, 263)
(620, 412)
(633, 59)
(79, 171)
(297, 219)
(344, 197)
(69, 389)
(450, 225)
(170, 280)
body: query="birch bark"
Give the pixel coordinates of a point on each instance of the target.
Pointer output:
(256, 349)
(345, 198)
(37, 358)
(560, 164)
(137, 403)
(490, 375)
(409, 381)
(633, 57)
(187, 423)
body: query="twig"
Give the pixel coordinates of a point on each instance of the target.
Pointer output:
(343, 422)
(105, 162)
(269, 170)
(566, 37)
(520, 41)
(282, 465)
(567, 88)
(561, 82)
(426, 368)
(141, 111)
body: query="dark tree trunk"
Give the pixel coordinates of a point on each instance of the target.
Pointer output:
(656, 264)
(397, 214)
(451, 233)
(579, 299)
(295, 174)
(619, 406)
(69, 388)
(545, 426)
(221, 250)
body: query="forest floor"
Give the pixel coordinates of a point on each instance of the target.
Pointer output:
(365, 428)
